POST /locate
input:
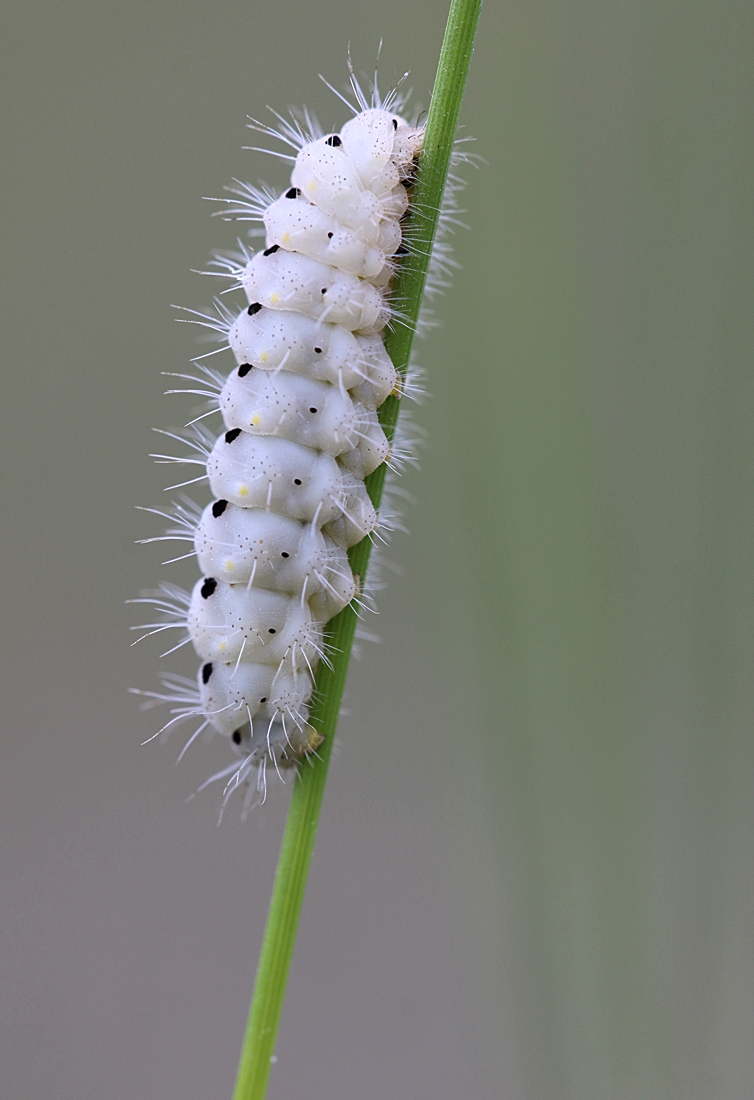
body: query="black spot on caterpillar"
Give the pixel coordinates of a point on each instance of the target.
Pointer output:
(208, 588)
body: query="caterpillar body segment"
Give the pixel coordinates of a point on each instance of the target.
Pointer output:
(272, 340)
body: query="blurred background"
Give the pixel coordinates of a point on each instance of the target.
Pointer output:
(533, 877)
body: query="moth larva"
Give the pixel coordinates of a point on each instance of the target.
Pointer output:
(300, 434)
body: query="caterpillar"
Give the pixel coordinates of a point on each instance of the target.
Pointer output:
(300, 434)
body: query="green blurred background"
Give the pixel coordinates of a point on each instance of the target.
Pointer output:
(533, 879)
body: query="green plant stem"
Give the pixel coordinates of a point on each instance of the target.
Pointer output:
(308, 789)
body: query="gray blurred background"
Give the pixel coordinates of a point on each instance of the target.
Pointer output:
(533, 878)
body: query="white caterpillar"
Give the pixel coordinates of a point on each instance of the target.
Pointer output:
(300, 435)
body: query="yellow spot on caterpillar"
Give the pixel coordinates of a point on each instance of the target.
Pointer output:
(285, 237)
(243, 490)
(274, 297)
(263, 356)
(230, 565)
(304, 741)
(311, 185)
(312, 739)
(255, 420)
